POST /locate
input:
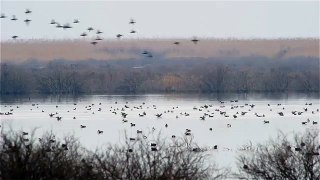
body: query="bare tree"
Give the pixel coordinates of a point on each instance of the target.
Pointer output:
(242, 81)
(160, 158)
(309, 81)
(283, 159)
(22, 156)
(178, 75)
(277, 80)
(214, 80)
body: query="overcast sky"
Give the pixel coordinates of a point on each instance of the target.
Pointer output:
(163, 19)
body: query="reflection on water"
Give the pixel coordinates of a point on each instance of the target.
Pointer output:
(5, 99)
(224, 124)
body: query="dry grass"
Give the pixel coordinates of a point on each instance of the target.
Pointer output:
(45, 50)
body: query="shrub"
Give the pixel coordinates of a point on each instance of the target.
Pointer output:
(22, 156)
(282, 159)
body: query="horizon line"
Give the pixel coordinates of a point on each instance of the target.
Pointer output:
(157, 39)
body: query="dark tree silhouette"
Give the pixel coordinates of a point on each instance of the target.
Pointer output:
(283, 159)
(157, 159)
(161, 74)
(23, 156)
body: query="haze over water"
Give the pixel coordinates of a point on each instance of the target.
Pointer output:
(244, 129)
(228, 75)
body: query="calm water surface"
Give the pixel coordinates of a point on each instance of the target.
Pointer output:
(103, 112)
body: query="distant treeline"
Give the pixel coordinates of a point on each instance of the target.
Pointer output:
(162, 75)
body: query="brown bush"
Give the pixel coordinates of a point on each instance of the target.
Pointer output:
(283, 159)
(22, 156)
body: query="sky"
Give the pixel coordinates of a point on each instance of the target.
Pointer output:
(163, 19)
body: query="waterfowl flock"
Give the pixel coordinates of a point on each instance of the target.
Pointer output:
(174, 120)
(89, 32)
(221, 125)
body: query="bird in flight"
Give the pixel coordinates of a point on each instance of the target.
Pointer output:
(76, 21)
(98, 38)
(148, 54)
(195, 40)
(66, 26)
(58, 25)
(14, 18)
(27, 11)
(90, 29)
(133, 31)
(145, 52)
(3, 16)
(53, 22)
(176, 43)
(94, 43)
(99, 32)
(14, 37)
(119, 36)
(27, 21)
(132, 21)
(83, 34)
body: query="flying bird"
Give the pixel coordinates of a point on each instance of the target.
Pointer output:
(176, 43)
(27, 11)
(76, 21)
(132, 21)
(90, 29)
(195, 40)
(119, 36)
(27, 21)
(53, 22)
(14, 37)
(3, 16)
(148, 54)
(98, 38)
(83, 34)
(145, 52)
(58, 25)
(99, 32)
(94, 43)
(133, 31)
(14, 18)
(66, 26)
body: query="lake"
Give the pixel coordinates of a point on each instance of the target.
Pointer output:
(230, 120)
